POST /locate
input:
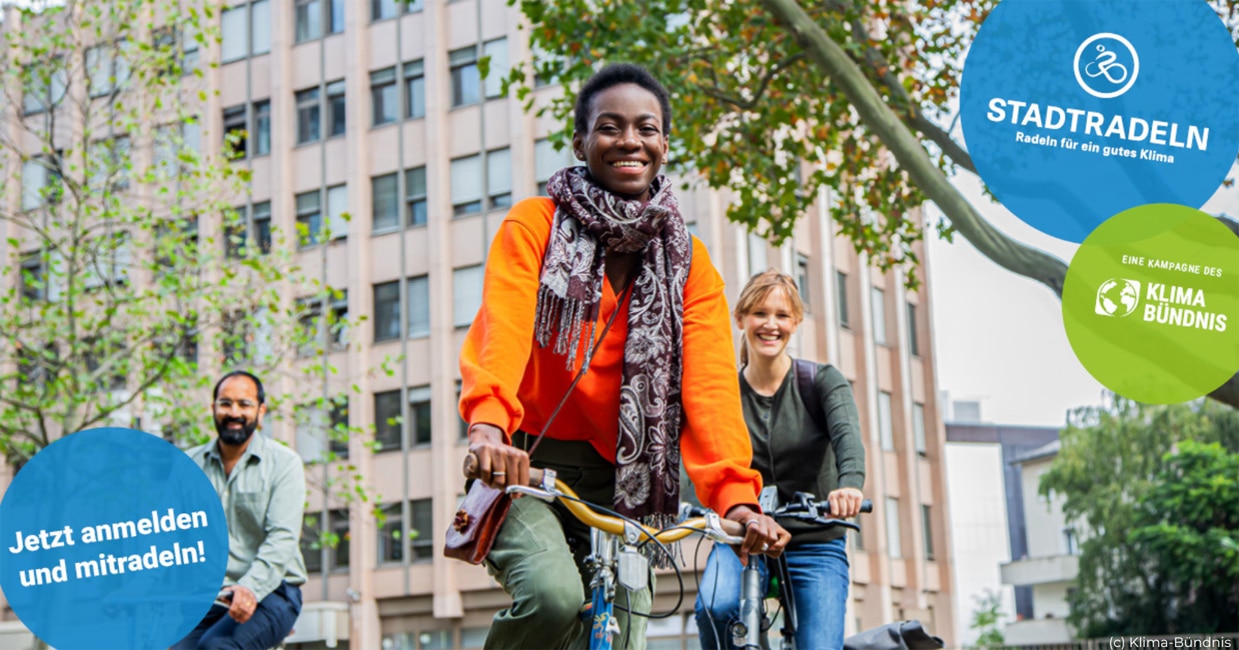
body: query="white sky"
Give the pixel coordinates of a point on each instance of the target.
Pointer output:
(998, 337)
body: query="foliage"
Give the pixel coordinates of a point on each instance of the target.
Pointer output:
(779, 100)
(987, 620)
(131, 277)
(1144, 488)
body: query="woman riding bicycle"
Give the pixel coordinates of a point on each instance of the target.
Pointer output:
(608, 242)
(793, 454)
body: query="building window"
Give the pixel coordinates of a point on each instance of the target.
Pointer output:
(262, 226)
(309, 116)
(466, 185)
(928, 531)
(235, 132)
(466, 294)
(246, 30)
(415, 89)
(32, 281)
(391, 546)
(415, 196)
(337, 207)
(387, 429)
(918, 427)
(499, 178)
(189, 52)
(387, 309)
(497, 50)
(312, 542)
(107, 69)
(886, 430)
(462, 427)
(893, 544)
(260, 23)
(387, 420)
(466, 82)
(913, 347)
(1071, 542)
(383, 95)
(109, 168)
(43, 89)
(878, 305)
(337, 109)
(384, 9)
(547, 161)
(312, 15)
(309, 218)
(422, 532)
(384, 205)
(262, 127)
(802, 280)
(419, 415)
(841, 294)
(419, 306)
(40, 182)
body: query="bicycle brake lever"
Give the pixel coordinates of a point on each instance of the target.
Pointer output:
(532, 492)
(714, 523)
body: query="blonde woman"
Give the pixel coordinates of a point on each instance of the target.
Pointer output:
(793, 454)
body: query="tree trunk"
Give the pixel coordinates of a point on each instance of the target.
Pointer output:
(1018, 258)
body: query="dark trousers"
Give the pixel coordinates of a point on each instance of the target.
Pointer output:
(272, 621)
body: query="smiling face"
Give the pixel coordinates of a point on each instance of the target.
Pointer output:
(237, 411)
(624, 144)
(769, 325)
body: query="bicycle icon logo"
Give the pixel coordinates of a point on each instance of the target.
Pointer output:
(1106, 65)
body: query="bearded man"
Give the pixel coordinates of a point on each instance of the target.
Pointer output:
(261, 485)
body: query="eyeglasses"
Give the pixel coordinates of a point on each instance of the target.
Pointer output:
(225, 404)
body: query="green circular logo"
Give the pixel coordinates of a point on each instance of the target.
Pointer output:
(1151, 303)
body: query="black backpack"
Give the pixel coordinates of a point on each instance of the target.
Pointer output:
(806, 373)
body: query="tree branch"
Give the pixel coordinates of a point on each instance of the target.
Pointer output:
(910, 153)
(749, 104)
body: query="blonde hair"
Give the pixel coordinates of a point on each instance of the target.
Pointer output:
(756, 291)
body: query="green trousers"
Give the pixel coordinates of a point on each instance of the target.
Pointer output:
(539, 558)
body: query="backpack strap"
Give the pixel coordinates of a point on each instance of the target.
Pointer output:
(806, 374)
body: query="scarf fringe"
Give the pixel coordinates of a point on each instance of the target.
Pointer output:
(652, 552)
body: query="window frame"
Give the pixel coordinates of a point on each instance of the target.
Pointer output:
(309, 103)
(384, 81)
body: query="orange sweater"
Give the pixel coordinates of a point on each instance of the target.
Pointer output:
(510, 382)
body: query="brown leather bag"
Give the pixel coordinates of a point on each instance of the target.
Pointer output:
(481, 514)
(477, 523)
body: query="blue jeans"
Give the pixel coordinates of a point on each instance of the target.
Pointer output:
(272, 621)
(819, 576)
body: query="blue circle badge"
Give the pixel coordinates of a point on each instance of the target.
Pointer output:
(111, 538)
(1106, 108)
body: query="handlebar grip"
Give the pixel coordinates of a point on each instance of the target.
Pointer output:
(866, 506)
(471, 470)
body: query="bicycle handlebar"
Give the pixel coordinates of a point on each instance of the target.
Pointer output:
(543, 485)
(806, 509)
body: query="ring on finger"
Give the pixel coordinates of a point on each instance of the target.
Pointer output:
(498, 473)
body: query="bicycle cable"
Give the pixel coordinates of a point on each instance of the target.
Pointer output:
(661, 546)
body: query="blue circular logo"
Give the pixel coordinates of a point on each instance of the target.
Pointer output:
(111, 538)
(1105, 109)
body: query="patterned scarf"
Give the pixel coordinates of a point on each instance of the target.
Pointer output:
(589, 221)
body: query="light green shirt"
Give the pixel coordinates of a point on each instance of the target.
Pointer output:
(264, 500)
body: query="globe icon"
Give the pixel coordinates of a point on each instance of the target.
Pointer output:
(1118, 297)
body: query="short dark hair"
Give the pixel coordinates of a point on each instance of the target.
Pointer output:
(614, 75)
(262, 394)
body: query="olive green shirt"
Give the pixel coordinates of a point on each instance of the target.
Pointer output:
(791, 453)
(263, 502)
